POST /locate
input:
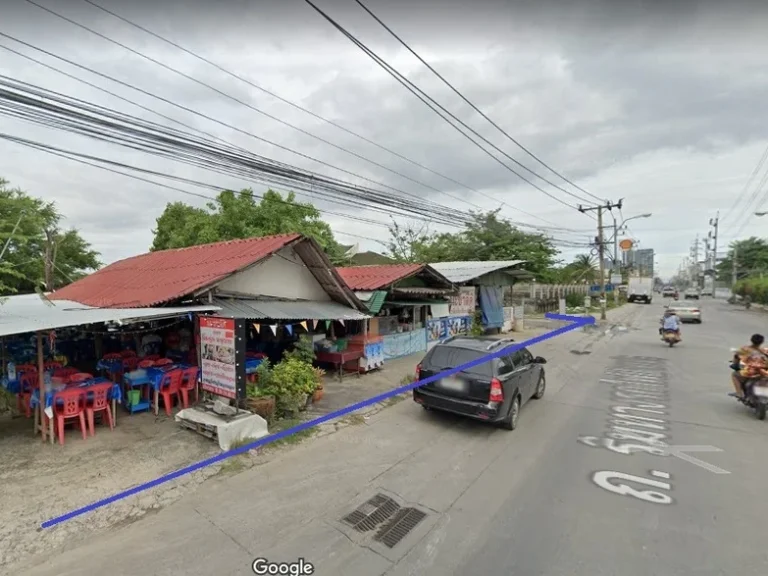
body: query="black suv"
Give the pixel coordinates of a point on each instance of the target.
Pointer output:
(492, 391)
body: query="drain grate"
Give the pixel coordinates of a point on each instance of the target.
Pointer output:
(370, 514)
(401, 524)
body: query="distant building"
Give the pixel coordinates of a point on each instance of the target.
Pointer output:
(642, 261)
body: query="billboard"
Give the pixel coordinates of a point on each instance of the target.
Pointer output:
(222, 356)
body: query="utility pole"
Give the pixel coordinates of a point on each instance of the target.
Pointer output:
(49, 263)
(601, 245)
(715, 223)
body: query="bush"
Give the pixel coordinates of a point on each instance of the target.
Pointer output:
(290, 381)
(574, 300)
(477, 324)
(303, 349)
(756, 288)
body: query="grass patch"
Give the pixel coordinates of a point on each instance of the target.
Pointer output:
(396, 399)
(353, 419)
(295, 438)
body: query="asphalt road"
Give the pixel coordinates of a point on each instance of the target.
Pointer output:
(545, 499)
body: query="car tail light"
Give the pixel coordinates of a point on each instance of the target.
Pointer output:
(418, 372)
(695, 311)
(497, 392)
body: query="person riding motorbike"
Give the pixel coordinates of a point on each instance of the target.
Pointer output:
(747, 301)
(670, 322)
(750, 363)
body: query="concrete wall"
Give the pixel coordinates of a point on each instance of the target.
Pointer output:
(284, 275)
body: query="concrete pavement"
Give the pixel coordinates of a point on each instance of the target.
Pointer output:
(496, 502)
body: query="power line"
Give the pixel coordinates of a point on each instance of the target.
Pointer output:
(115, 128)
(222, 123)
(243, 103)
(467, 101)
(109, 166)
(277, 96)
(743, 192)
(434, 104)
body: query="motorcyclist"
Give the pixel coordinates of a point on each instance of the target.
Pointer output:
(670, 322)
(750, 363)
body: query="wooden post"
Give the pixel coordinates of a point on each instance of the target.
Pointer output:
(41, 384)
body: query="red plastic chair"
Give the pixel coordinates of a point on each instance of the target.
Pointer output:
(169, 387)
(130, 363)
(26, 368)
(99, 403)
(27, 383)
(144, 364)
(80, 377)
(188, 384)
(112, 356)
(128, 354)
(50, 366)
(163, 362)
(152, 357)
(65, 373)
(67, 405)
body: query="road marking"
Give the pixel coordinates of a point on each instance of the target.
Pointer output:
(660, 474)
(681, 452)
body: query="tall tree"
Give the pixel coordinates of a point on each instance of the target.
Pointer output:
(486, 237)
(240, 215)
(40, 255)
(751, 258)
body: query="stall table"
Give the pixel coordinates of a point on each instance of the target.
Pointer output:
(339, 359)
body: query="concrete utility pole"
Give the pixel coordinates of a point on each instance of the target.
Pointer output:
(715, 223)
(49, 263)
(601, 246)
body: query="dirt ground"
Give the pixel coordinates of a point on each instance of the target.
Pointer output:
(41, 481)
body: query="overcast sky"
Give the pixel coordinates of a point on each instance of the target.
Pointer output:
(664, 107)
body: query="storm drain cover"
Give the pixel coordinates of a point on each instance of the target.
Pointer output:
(370, 514)
(399, 526)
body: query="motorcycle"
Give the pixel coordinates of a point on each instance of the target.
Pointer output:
(755, 393)
(670, 337)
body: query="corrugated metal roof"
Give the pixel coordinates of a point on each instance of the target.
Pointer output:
(468, 270)
(377, 276)
(373, 300)
(31, 313)
(286, 310)
(166, 275)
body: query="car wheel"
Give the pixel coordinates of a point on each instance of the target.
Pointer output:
(510, 422)
(427, 408)
(540, 387)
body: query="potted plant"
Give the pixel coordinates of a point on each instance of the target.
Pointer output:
(317, 395)
(293, 381)
(259, 398)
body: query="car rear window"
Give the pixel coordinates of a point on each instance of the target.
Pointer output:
(445, 357)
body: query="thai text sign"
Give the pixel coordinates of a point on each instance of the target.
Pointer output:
(463, 303)
(217, 346)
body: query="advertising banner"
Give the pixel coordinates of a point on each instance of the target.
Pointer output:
(463, 303)
(222, 361)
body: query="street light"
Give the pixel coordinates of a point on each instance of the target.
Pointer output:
(760, 213)
(616, 235)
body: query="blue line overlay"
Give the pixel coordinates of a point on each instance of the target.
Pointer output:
(575, 322)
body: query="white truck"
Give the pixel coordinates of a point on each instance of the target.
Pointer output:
(709, 286)
(640, 290)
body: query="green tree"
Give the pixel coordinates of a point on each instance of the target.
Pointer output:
(237, 215)
(37, 238)
(486, 237)
(751, 259)
(583, 267)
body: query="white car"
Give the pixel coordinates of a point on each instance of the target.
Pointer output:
(686, 312)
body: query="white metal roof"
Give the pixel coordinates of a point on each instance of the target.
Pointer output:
(31, 313)
(459, 272)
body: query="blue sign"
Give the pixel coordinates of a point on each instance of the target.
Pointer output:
(596, 288)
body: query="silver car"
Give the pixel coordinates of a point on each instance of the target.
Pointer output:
(687, 312)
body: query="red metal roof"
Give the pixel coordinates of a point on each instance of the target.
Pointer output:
(377, 276)
(166, 275)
